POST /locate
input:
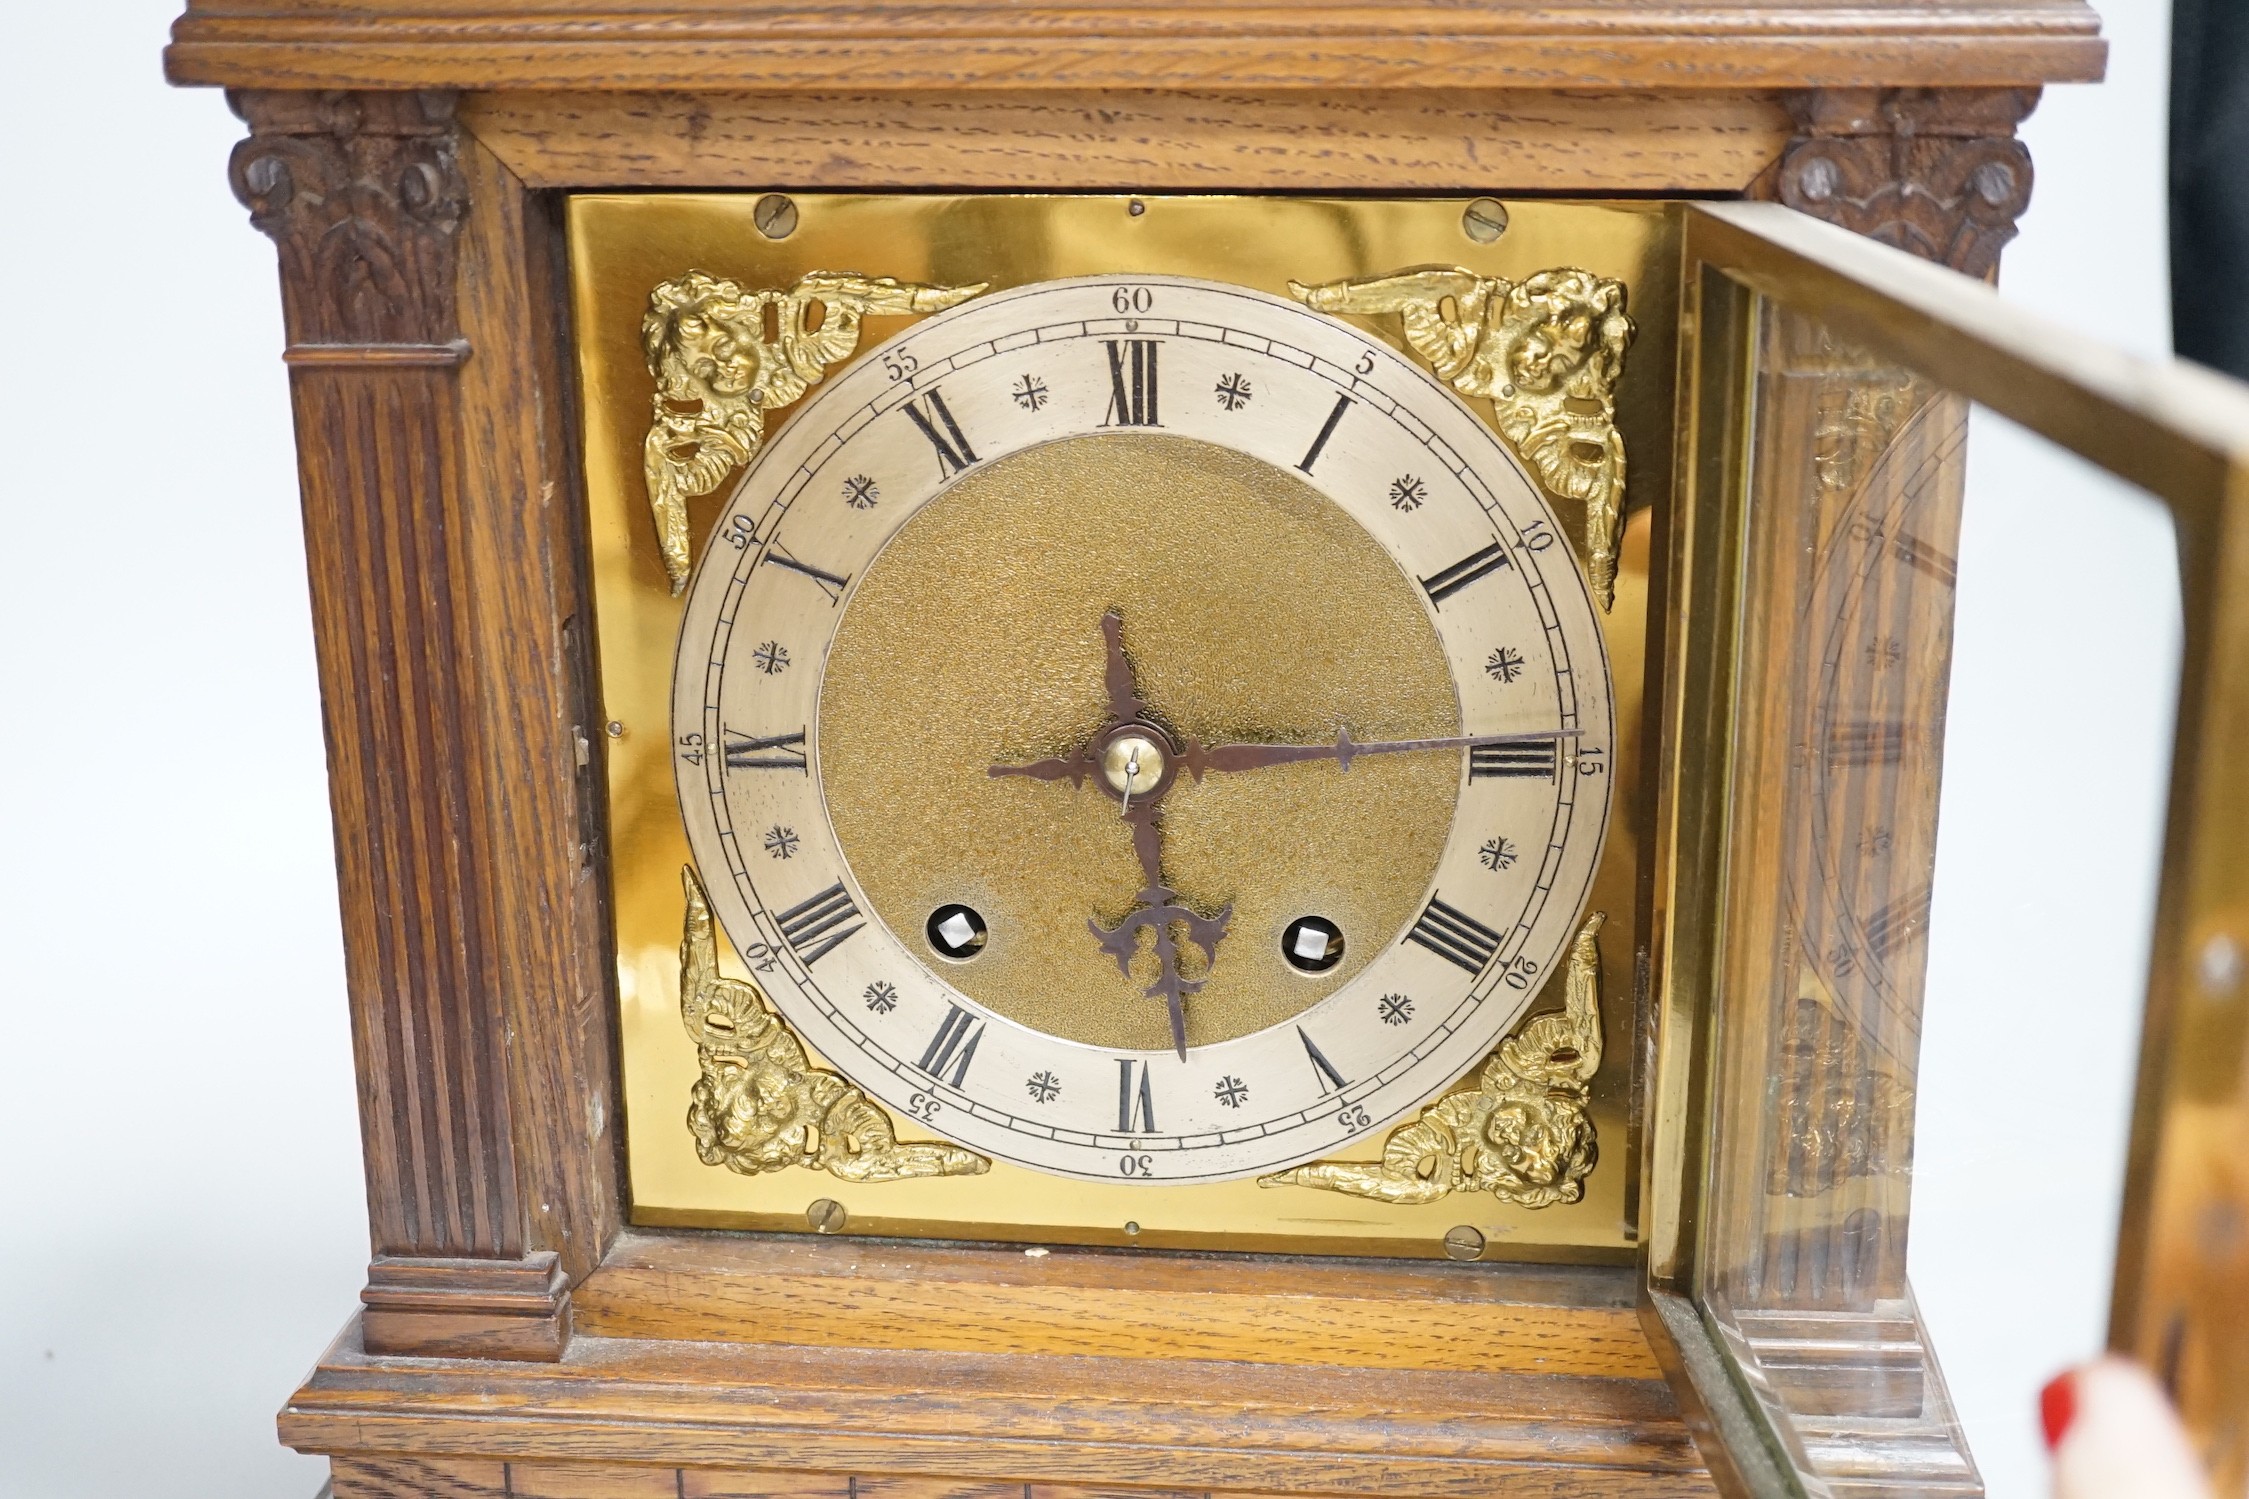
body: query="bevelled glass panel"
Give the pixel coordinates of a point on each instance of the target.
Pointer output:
(1840, 880)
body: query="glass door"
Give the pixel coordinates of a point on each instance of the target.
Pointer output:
(1829, 392)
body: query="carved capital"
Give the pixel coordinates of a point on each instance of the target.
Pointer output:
(1937, 172)
(363, 193)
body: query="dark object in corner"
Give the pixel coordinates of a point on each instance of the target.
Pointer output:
(2210, 183)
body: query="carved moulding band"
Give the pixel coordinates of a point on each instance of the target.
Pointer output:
(1545, 351)
(760, 1105)
(718, 374)
(1523, 1134)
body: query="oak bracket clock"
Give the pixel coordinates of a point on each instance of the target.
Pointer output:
(1046, 727)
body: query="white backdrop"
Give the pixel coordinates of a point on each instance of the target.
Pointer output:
(184, 1224)
(2066, 654)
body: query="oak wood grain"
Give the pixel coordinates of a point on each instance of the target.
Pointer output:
(1052, 1419)
(392, 1477)
(590, 1481)
(443, 530)
(1935, 172)
(407, 1478)
(521, 529)
(1142, 140)
(363, 200)
(870, 1294)
(944, 1488)
(989, 44)
(469, 1307)
(444, 539)
(754, 1484)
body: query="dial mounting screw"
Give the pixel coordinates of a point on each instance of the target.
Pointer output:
(775, 215)
(826, 1215)
(1463, 1243)
(1485, 220)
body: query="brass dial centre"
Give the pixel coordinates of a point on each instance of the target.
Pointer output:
(980, 624)
(1134, 762)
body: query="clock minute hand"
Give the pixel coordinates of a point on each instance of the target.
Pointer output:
(1125, 703)
(1200, 757)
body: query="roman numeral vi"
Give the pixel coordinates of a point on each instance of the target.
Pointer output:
(1136, 1100)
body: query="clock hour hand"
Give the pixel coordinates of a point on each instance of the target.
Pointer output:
(1134, 761)
(1200, 757)
(1073, 767)
(1125, 707)
(1145, 841)
(1158, 909)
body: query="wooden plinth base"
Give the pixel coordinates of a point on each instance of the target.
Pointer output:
(829, 1369)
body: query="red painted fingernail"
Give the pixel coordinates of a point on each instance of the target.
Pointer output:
(2057, 1407)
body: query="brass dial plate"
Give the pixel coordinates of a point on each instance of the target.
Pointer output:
(623, 246)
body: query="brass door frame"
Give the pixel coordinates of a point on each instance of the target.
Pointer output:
(2179, 433)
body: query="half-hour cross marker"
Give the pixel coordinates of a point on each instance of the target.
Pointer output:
(1132, 383)
(1330, 1080)
(772, 752)
(1444, 585)
(830, 583)
(810, 925)
(944, 434)
(953, 1047)
(1531, 760)
(1327, 430)
(1455, 936)
(1136, 1100)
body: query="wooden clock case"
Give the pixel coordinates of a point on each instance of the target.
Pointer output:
(408, 159)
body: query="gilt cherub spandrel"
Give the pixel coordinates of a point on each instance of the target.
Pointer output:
(719, 374)
(760, 1105)
(1522, 1134)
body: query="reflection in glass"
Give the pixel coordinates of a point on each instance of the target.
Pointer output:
(1856, 483)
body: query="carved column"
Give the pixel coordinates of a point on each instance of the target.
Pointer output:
(449, 638)
(1934, 171)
